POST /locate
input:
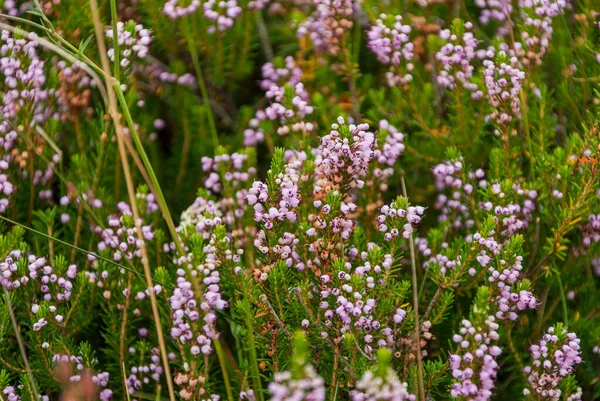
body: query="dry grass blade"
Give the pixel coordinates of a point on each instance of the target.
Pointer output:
(112, 106)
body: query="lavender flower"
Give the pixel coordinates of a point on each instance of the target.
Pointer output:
(496, 11)
(148, 368)
(235, 170)
(456, 57)
(23, 73)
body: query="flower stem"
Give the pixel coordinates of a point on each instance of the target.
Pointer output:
(221, 357)
(202, 84)
(417, 333)
(563, 299)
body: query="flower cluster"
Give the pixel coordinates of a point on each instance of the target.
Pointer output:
(307, 386)
(174, 9)
(280, 72)
(347, 303)
(14, 7)
(510, 297)
(515, 215)
(221, 13)
(497, 11)
(121, 236)
(52, 284)
(474, 366)
(450, 175)
(196, 299)
(145, 371)
(11, 394)
(388, 151)
(388, 148)
(590, 231)
(328, 26)
(289, 102)
(191, 385)
(133, 39)
(25, 89)
(386, 387)
(235, 169)
(503, 80)
(293, 260)
(512, 204)
(6, 187)
(343, 156)
(156, 75)
(554, 358)
(281, 204)
(75, 90)
(394, 216)
(390, 40)
(77, 362)
(203, 215)
(536, 34)
(456, 57)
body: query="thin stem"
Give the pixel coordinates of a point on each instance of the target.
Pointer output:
(221, 357)
(50, 243)
(436, 297)
(336, 357)
(115, 39)
(417, 333)
(263, 35)
(47, 138)
(425, 276)
(563, 299)
(351, 77)
(13, 318)
(253, 356)
(185, 151)
(357, 32)
(125, 381)
(523, 96)
(202, 84)
(515, 353)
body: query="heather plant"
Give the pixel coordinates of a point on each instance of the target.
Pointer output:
(299, 200)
